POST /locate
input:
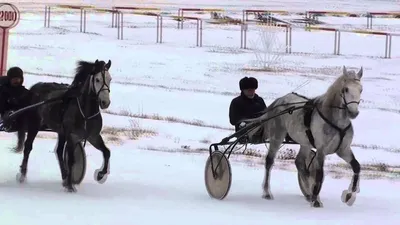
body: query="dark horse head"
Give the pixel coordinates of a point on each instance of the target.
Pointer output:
(95, 79)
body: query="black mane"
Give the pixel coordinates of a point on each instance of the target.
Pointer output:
(85, 69)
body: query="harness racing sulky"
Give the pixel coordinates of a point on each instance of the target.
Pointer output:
(320, 125)
(71, 111)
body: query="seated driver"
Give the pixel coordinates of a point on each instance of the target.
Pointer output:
(247, 106)
(13, 95)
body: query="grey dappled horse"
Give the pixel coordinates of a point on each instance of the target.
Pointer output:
(329, 131)
(73, 119)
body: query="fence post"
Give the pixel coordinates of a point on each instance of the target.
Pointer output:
(288, 32)
(201, 33)
(369, 21)
(290, 39)
(243, 34)
(120, 24)
(84, 20)
(159, 28)
(197, 33)
(388, 46)
(338, 42)
(80, 21)
(47, 16)
(335, 43)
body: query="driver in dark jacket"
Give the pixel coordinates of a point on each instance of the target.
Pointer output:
(13, 95)
(248, 105)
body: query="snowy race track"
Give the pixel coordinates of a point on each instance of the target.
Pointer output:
(147, 187)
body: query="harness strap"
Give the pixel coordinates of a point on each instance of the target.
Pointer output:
(85, 118)
(308, 110)
(342, 132)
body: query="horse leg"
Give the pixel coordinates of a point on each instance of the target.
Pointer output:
(27, 150)
(274, 144)
(70, 147)
(349, 196)
(59, 152)
(318, 163)
(100, 175)
(302, 168)
(20, 142)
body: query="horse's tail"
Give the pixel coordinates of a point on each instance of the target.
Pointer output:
(20, 143)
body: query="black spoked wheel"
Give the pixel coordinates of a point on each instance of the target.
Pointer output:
(79, 168)
(218, 186)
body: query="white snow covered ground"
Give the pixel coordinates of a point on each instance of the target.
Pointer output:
(176, 96)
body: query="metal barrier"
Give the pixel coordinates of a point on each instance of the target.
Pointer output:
(180, 18)
(112, 11)
(336, 44)
(199, 28)
(132, 10)
(370, 16)
(118, 22)
(47, 14)
(336, 51)
(246, 12)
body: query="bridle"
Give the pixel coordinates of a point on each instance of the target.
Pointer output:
(104, 87)
(345, 103)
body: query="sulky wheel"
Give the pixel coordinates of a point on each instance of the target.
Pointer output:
(304, 185)
(79, 167)
(218, 187)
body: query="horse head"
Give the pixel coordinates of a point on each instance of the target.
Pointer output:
(351, 91)
(94, 79)
(345, 92)
(100, 82)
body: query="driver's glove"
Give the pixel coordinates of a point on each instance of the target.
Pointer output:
(6, 123)
(241, 125)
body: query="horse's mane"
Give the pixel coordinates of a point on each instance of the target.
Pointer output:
(85, 69)
(82, 71)
(331, 95)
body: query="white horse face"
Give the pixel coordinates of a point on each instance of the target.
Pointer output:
(351, 92)
(101, 86)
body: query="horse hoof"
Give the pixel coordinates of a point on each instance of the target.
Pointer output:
(348, 197)
(64, 183)
(20, 177)
(70, 189)
(316, 204)
(308, 198)
(17, 150)
(268, 196)
(100, 177)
